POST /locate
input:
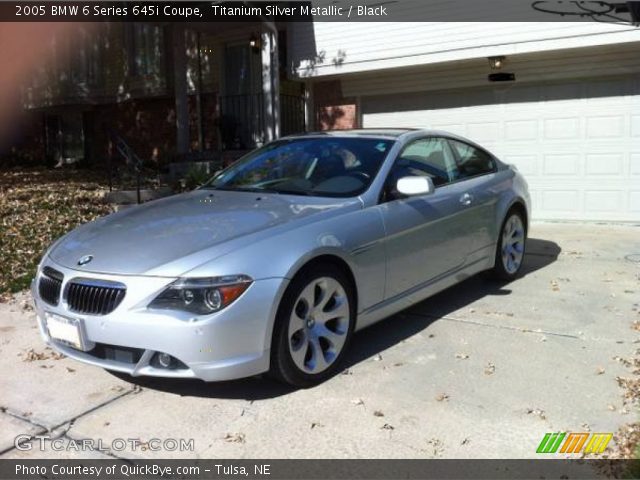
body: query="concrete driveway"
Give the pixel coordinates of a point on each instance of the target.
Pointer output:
(482, 370)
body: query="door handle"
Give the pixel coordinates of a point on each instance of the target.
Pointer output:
(466, 199)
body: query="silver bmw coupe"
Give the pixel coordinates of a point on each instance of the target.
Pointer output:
(275, 262)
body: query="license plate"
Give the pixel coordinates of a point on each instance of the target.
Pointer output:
(65, 329)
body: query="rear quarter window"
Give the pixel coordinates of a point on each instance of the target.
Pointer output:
(472, 161)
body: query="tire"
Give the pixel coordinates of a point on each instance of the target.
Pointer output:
(510, 247)
(313, 327)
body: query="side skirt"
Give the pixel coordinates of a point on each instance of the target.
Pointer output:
(421, 292)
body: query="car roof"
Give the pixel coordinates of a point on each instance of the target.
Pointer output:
(382, 133)
(359, 132)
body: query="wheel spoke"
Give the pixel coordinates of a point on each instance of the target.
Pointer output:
(308, 295)
(328, 290)
(336, 339)
(518, 247)
(340, 309)
(299, 354)
(317, 361)
(296, 322)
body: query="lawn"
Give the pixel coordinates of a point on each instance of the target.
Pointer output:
(36, 207)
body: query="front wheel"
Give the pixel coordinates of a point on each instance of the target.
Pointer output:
(314, 326)
(510, 247)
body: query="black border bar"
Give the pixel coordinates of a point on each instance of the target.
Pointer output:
(317, 469)
(304, 11)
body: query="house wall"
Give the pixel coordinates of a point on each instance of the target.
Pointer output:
(139, 108)
(323, 49)
(609, 60)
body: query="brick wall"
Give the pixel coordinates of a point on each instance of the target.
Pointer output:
(149, 127)
(333, 111)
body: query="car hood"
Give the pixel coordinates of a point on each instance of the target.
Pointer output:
(140, 239)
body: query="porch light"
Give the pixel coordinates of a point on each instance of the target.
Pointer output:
(496, 63)
(254, 43)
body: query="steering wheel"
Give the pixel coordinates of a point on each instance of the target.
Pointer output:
(361, 175)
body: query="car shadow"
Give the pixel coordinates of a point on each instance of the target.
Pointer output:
(370, 341)
(381, 336)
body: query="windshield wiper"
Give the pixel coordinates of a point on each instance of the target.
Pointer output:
(240, 189)
(262, 190)
(290, 192)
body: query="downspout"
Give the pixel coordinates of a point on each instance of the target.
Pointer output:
(274, 70)
(199, 97)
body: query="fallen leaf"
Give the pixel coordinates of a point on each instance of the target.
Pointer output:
(234, 438)
(378, 413)
(441, 397)
(489, 369)
(537, 412)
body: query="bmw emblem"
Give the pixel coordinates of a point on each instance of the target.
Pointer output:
(84, 260)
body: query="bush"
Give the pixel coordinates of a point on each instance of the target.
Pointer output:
(195, 177)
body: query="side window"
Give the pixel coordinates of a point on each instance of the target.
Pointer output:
(426, 157)
(471, 161)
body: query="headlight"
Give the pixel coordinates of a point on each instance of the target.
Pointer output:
(202, 295)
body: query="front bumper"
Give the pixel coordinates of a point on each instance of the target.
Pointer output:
(230, 344)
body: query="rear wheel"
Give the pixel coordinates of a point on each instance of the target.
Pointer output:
(510, 247)
(314, 326)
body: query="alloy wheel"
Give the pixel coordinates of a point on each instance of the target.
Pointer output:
(319, 325)
(513, 239)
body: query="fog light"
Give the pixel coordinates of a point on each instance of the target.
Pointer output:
(164, 359)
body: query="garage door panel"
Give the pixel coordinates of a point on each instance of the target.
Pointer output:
(561, 165)
(604, 201)
(527, 164)
(605, 127)
(521, 130)
(578, 144)
(601, 165)
(563, 128)
(634, 167)
(560, 201)
(635, 126)
(634, 201)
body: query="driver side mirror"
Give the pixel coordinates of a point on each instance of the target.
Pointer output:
(412, 186)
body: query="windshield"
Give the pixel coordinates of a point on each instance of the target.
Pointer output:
(328, 166)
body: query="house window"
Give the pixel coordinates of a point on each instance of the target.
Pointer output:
(86, 58)
(146, 49)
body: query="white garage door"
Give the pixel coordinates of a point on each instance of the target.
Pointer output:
(578, 144)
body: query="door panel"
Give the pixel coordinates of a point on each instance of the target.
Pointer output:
(427, 236)
(476, 170)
